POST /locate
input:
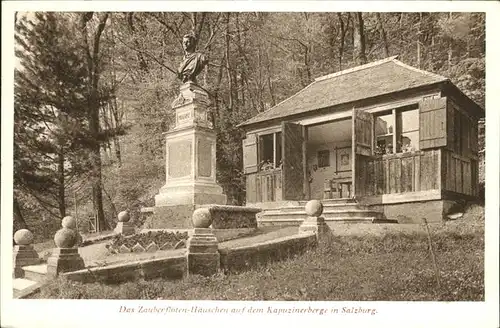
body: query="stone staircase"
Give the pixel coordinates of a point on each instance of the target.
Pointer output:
(341, 210)
(32, 278)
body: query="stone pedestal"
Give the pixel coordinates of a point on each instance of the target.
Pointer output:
(190, 157)
(203, 255)
(124, 226)
(64, 260)
(314, 222)
(24, 253)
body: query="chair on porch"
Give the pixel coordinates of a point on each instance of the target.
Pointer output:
(330, 190)
(342, 185)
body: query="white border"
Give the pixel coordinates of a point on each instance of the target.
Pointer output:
(93, 313)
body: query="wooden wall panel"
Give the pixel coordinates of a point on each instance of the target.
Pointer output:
(407, 180)
(400, 173)
(251, 188)
(264, 186)
(460, 174)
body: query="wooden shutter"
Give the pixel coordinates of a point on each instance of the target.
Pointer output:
(362, 150)
(433, 123)
(293, 164)
(362, 132)
(250, 161)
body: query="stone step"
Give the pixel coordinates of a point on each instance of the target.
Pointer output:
(332, 213)
(284, 221)
(36, 273)
(281, 222)
(327, 213)
(330, 201)
(23, 287)
(327, 207)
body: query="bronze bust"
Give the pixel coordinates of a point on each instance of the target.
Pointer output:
(193, 62)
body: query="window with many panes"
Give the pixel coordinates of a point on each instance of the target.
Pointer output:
(270, 151)
(397, 131)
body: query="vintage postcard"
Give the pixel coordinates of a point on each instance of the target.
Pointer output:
(318, 163)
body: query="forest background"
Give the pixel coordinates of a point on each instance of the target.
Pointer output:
(93, 92)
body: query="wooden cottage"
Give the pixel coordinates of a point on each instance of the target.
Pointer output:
(385, 135)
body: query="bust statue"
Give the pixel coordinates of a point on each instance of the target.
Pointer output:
(193, 62)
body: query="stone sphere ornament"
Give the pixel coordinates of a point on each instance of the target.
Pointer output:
(69, 222)
(65, 238)
(23, 237)
(202, 218)
(123, 216)
(314, 208)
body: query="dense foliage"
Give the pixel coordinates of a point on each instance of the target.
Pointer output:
(107, 72)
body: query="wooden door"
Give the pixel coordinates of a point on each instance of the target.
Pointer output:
(362, 150)
(293, 163)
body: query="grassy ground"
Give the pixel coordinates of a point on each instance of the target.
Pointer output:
(394, 264)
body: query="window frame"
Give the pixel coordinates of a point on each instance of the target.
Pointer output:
(276, 162)
(396, 129)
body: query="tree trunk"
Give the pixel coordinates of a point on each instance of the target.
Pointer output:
(92, 54)
(383, 35)
(97, 172)
(19, 222)
(61, 200)
(228, 66)
(117, 123)
(342, 39)
(419, 51)
(359, 39)
(450, 51)
(307, 65)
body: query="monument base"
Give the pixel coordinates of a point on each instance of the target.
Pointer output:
(191, 194)
(171, 217)
(175, 204)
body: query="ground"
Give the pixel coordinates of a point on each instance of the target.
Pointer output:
(355, 262)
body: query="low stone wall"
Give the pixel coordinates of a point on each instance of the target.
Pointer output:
(243, 258)
(232, 260)
(169, 268)
(233, 217)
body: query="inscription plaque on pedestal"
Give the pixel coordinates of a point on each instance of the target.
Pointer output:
(179, 159)
(204, 158)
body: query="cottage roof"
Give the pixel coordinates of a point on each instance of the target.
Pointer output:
(373, 79)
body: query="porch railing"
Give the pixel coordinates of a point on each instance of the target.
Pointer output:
(398, 173)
